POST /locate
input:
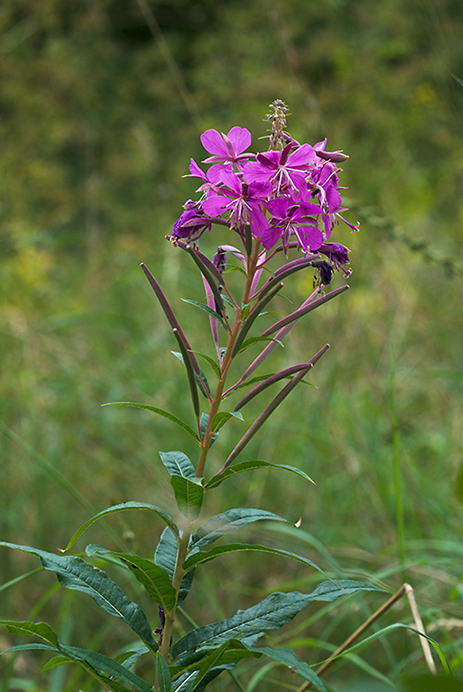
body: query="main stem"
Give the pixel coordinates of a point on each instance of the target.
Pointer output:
(205, 445)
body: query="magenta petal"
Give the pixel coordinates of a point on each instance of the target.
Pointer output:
(310, 237)
(214, 205)
(196, 171)
(240, 138)
(213, 142)
(302, 156)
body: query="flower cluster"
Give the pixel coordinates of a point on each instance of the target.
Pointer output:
(287, 196)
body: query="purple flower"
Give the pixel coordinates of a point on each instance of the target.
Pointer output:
(337, 255)
(192, 222)
(243, 201)
(291, 217)
(227, 147)
(286, 170)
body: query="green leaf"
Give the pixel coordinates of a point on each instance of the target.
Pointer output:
(178, 464)
(288, 658)
(166, 557)
(205, 556)
(256, 339)
(55, 662)
(273, 612)
(200, 381)
(106, 668)
(229, 521)
(221, 418)
(189, 495)
(210, 360)
(230, 652)
(29, 647)
(203, 425)
(163, 673)
(252, 466)
(160, 412)
(123, 507)
(210, 311)
(37, 629)
(155, 580)
(78, 575)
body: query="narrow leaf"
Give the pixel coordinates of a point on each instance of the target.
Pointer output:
(105, 667)
(163, 673)
(210, 360)
(212, 313)
(187, 360)
(221, 418)
(206, 556)
(288, 658)
(37, 629)
(272, 613)
(78, 575)
(160, 412)
(155, 580)
(203, 425)
(166, 557)
(255, 340)
(201, 381)
(251, 466)
(210, 272)
(253, 315)
(229, 521)
(260, 420)
(178, 464)
(123, 507)
(180, 336)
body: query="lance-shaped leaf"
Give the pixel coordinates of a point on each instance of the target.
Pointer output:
(201, 557)
(179, 334)
(190, 374)
(200, 381)
(210, 311)
(252, 466)
(289, 659)
(162, 674)
(166, 557)
(106, 668)
(36, 629)
(221, 418)
(253, 315)
(123, 507)
(229, 521)
(155, 580)
(210, 272)
(303, 311)
(273, 612)
(78, 575)
(273, 379)
(260, 420)
(160, 412)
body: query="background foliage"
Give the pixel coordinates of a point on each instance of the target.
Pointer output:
(101, 105)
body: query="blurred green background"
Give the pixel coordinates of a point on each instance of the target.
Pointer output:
(101, 107)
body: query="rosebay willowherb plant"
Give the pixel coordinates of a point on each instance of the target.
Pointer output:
(280, 208)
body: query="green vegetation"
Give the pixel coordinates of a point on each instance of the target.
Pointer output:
(99, 115)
